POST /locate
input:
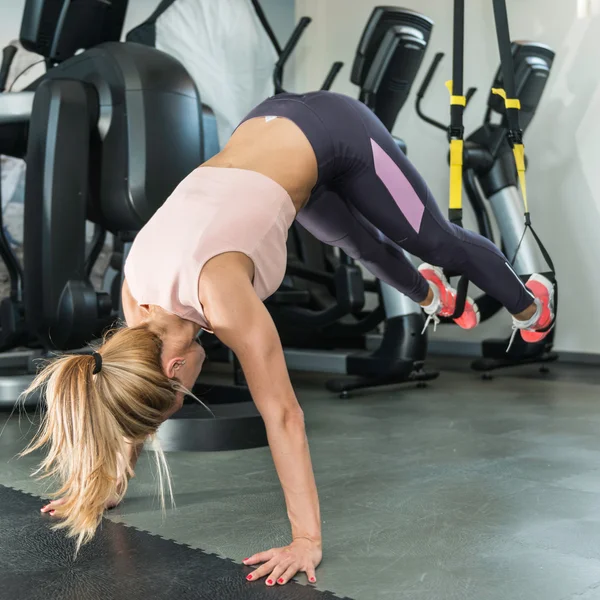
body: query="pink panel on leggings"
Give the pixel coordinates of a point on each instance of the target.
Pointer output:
(398, 186)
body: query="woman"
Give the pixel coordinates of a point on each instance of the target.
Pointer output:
(208, 258)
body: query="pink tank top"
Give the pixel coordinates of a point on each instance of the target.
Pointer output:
(212, 211)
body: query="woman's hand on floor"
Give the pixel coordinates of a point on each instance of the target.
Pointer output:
(281, 564)
(52, 506)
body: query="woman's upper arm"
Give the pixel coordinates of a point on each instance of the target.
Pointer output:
(130, 307)
(242, 322)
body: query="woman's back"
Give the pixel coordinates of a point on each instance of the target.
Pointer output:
(277, 148)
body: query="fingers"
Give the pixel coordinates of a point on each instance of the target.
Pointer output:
(261, 557)
(262, 571)
(280, 566)
(276, 575)
(288, 574)
(311, 574)
(50, 508)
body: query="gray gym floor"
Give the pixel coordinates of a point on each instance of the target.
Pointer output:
(467, 489)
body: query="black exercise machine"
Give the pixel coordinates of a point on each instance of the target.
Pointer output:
(388, 58)
(110, 133)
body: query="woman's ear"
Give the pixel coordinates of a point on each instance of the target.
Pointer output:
(172, 366)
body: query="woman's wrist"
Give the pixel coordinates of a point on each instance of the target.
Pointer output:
(313, 539)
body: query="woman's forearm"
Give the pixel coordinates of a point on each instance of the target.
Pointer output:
(289, 446)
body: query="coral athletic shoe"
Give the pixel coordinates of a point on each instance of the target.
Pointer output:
(541, 324)
(445, 300)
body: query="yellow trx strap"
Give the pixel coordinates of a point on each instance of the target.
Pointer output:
(518, 149)
(462, 100)
(456, 158)
(508, 102)
(519, 152)
(456, 173)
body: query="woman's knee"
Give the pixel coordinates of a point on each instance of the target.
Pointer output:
(350, 247)
(440, 252)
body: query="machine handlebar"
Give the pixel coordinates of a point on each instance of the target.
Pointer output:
(8, 55)
(333, 72)
(287, 51)
(430, 73)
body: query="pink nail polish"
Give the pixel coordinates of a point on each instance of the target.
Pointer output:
(269, 582)
(312, 580)
(245, 559)
(249, 578)
(280, 580)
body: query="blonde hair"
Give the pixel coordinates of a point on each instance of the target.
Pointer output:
(91, 418)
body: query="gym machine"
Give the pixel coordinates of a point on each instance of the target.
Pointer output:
(109, 134)
(55, 30)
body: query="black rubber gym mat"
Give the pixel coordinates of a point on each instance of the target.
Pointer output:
(120, 563)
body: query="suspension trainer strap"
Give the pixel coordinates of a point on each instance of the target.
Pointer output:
(542, 248)
(456, 162)
(456, 132)
(536, 237)
(461, 297)
(513, 105)
(507, 64)
(457, 107)
(509, 93)
(518, 149)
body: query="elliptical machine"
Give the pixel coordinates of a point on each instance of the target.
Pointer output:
(84, 162)
(493, 175)
(28, 330)
(110, 133)
(319, 310)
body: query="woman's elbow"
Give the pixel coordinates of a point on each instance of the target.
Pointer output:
(284, 417)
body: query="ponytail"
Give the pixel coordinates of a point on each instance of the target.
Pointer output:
(96, 406)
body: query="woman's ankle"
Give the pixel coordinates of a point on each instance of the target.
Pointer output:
(526, 314)
(432, 304)
(530, 316)
(430, 298)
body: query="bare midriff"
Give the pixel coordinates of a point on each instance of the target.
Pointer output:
(276, 148)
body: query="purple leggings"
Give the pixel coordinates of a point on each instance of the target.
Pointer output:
(372, 203)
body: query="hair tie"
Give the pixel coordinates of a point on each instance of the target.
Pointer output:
(98, 360)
